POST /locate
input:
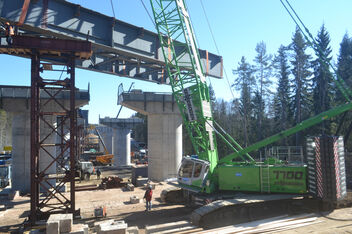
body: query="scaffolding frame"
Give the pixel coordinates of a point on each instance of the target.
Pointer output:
(46, 188)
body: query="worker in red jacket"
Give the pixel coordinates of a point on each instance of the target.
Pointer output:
(148, 198)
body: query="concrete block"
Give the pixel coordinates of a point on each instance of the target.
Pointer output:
(79, 229)
(53, 227)
(65, 221)
(140, 170)
(2, 207)
(135, 200)
(132, 230)
(117, 227)
(130, 187)
(105, 222)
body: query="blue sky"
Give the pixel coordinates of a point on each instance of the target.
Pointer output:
(237, 25)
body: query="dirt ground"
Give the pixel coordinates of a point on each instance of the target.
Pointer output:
(116, 201)
(118, 206)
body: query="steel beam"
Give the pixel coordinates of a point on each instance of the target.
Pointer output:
(119, 48)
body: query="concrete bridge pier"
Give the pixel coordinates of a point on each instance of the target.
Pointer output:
(165, 145)
(21, 134)
(121, 136)
(16, 100)
(164, 131)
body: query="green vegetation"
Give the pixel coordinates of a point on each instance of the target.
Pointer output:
(277, 92)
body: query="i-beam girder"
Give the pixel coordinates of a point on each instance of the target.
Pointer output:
(119, 48)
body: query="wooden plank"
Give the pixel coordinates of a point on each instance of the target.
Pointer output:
(265, 224)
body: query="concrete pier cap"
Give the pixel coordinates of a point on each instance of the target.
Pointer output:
(164, 130)
(121, 135)
(16, 100)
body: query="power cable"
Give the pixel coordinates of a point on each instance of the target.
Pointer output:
(216, 46)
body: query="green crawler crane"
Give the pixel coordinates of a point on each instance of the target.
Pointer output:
(205, 173)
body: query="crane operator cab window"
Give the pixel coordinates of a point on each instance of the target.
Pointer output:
(193, 170)
(197, 169)
(186, 169)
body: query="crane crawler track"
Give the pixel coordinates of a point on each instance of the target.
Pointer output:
(250, 208)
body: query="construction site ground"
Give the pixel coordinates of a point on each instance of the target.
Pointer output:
(118, 207)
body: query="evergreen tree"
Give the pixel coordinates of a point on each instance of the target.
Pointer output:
(244, 82)
(222, 118)
(236, 128)
(344, 70)
(212, 97)
(301, 82)
(344, 65)
(322, 80)
(282, 98)
(258, 116)
(262, 73)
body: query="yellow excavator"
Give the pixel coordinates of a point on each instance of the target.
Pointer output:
(92, 142)
(106, 158)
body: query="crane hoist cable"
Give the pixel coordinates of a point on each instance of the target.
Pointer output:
(216, 46)
(340, 83)
(112, 7)
(230, 139)
(146, 9)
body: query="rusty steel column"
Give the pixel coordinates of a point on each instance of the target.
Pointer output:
(73, 131)
(34, 113)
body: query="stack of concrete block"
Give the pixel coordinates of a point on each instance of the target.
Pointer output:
(113, 227)
(59, 223)
(104, 222)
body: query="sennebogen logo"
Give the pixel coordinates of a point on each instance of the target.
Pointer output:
(190, 107)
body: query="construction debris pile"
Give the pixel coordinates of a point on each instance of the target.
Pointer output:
(112, 182)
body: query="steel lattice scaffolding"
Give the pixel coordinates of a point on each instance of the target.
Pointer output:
(43, 181)
(52, 144)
